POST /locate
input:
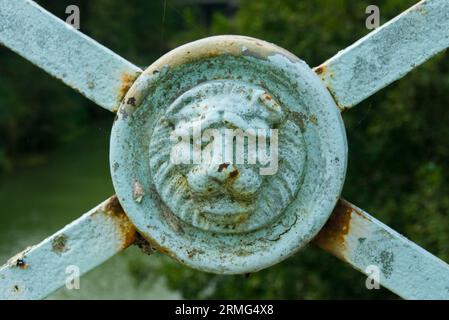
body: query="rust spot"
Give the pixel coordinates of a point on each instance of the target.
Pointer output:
(126, 82)
(19, 260)
(222, 167)
(129, 234)
(332, 236)
(113, 207)
(144, 245)
(166, 251)
(149, 246)
(234, 173)
(126, 229)
(212, 53)
(59, 244)
(360, 213)
(326, 76)
(20, 263)
(321, 69)
(343, 109)
(132, 101)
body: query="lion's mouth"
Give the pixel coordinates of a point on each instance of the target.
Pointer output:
(226, 211)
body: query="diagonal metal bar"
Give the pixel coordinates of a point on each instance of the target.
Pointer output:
(388, 53)
(65, 53)
(408, 270)
(85, 243)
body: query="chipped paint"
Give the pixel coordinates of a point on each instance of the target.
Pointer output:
(21, 263)
(124, 228)
(126, 81)
(107, 79)
(144, 245)
(387, 53)
(357, 238)
(80, 62)
(19, 260)
(138, 192)
(332, 236)
(321, 69)
(225, 209)
(39, 270)
(229, 45)
(59, 243)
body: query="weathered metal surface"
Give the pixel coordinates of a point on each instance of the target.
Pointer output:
(387, 53)
(65, 53)
(87, 242)
(224, 216)
(355, 237)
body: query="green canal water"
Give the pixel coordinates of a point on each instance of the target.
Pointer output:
(46, 193)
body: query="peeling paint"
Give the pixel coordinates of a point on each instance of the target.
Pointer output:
(125, 229)
(387, 53)
(93, 238)
(126, 81)
(352, 75)
(59, 243)
(357, 238)
(138, 192)
(332, 236)
(80, 62)
(20, 263)
(226, 211)
(144, 245)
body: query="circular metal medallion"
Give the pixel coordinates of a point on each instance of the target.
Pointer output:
(228, 154)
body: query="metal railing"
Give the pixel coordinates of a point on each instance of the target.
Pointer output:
(149, 211)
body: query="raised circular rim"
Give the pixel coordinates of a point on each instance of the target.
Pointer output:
(260, 255)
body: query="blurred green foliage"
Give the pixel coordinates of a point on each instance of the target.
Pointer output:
(398, 166)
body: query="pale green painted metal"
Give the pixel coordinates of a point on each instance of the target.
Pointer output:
(65, 53)
(223, 82)
(85, 243)
(388, 53)
(352, 75)
(361, 240)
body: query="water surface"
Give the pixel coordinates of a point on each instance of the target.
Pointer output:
(49, 192)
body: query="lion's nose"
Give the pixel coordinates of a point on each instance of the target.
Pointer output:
(225, 177)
